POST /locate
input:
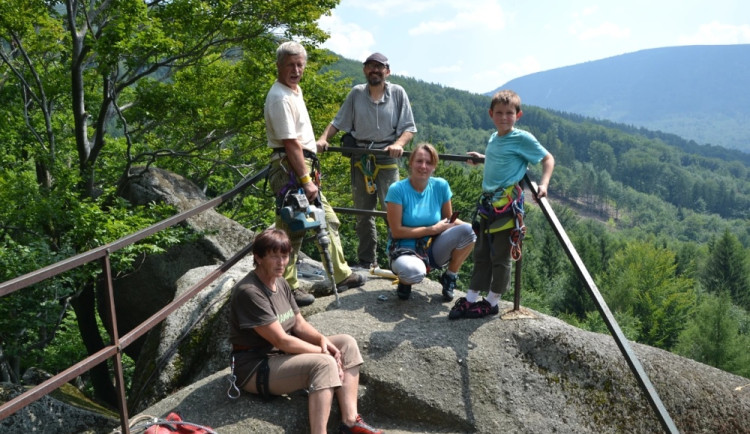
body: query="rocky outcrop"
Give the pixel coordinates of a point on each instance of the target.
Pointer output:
(152, 285)
(50, 415)
(424, 373)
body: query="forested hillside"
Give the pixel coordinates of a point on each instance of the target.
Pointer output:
(661, 224)
(604, 157)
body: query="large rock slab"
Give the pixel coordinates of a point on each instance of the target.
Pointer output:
(425, 373)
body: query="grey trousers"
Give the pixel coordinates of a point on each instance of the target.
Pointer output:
(365, 226)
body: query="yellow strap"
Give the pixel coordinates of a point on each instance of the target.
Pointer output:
(384, 166)
(369, 184)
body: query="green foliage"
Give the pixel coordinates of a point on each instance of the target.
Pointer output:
(715, 335)
(727, 270)
(641, 281)
(86, 99)
(181, 85)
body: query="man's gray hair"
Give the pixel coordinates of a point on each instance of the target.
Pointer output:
(290, 48)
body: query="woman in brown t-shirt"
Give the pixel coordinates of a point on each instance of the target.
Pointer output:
(267, 327)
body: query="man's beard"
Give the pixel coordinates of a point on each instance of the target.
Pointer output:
(374, 79)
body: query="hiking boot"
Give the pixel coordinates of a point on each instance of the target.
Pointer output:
(449, 284)
(353, 281)
(481, 309)
(302, 297)
(459, 309)
(403, 291)
(359, 427)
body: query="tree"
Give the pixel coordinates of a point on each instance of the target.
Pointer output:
(641, 282)
(727, 269)
(81, 81)
(713, 335)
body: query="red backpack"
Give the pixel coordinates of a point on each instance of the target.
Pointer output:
(175, 424)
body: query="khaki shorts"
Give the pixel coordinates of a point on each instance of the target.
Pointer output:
(291, 372)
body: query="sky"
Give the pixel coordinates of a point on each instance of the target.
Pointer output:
(479, 45)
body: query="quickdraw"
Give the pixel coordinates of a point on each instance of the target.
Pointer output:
(517, 235)
(233, 392)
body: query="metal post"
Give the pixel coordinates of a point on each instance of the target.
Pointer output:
(119, 378)
(517, 286)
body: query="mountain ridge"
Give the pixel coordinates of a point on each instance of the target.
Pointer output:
(697, 92)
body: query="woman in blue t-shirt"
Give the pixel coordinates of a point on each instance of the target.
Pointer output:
(422, 233)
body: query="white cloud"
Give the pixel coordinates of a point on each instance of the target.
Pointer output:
(716, 33)
(486, 14)
(347, 39)
(387, 8)
(604, 30)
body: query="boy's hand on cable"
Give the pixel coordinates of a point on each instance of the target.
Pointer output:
(541, 190)
(322, 145)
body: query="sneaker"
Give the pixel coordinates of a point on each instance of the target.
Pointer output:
(353, 281)
(481, 309)
(449, 284)
(403, 291)
(359, 427)
(459, 309)
(302, 297)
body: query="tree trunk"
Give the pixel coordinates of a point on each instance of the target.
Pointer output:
(85, 308)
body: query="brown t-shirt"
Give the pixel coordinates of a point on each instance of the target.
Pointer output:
(252, 305)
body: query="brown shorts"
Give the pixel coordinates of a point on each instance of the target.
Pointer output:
(292, 372)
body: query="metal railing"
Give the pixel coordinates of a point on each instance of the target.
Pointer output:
(115, 349)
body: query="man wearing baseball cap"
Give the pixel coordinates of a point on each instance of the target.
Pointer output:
(375, 115)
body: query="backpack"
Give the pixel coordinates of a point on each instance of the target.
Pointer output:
(174, 424)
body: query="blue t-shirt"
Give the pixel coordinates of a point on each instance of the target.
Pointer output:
(507, 157)
(419, 209)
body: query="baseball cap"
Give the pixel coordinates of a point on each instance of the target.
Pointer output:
(377, 57)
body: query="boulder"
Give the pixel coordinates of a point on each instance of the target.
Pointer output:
(50, 415)
(152, 285)
(425, 373)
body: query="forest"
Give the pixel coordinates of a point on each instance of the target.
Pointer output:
(92, 93)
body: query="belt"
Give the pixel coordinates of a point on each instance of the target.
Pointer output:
(305, 152)
(368, 143)
(238, 348)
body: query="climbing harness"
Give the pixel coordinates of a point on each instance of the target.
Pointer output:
(366, 164)
(292, 184)
(504, 213)
(421, 251)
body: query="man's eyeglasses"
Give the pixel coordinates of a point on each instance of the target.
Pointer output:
(376, 66)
